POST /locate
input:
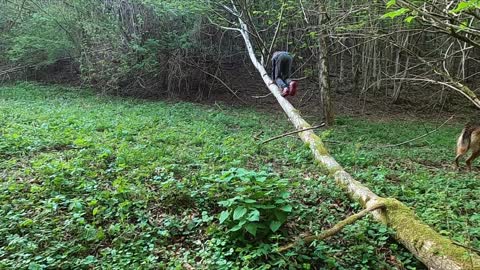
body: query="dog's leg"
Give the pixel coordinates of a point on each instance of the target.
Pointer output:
(475, 154)
(457, 166)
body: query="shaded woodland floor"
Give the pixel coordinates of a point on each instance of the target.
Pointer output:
(91, 181)
(425, 102)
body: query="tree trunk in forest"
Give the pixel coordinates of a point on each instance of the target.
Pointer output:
(323, 72)
(435, 251)
(400, 76)
(397, 88)
(342, 73)
(356, 64)
(367, 73)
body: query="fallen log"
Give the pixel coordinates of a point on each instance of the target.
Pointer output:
(435, 251)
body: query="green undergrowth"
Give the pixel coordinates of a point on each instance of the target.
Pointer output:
(420, 173)
(112, 183)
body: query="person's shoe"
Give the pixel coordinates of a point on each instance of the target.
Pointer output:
(292, 88)
(285, 92)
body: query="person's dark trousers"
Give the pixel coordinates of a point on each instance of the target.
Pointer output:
(281, 69)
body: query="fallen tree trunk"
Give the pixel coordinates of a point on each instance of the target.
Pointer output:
(435, 251)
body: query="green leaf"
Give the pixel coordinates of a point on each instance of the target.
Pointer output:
(100, 234)
(463, 25)
(279, 201)
(252, 228)
(254, 215)
(285, 195)
(409, 19)
(226, 203)
(239, 212)
(395, 13)
(391, 3)
(275, 225)
(223, 216)
(464, 5)
(238, 226)
(261, 179)
(286, 208)
(280, 215)
(264, 206)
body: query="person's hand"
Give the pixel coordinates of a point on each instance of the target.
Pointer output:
(285, 92)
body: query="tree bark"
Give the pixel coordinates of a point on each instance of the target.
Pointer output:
(400, 76)
(435, 251)
(343, 62)
(323, 72)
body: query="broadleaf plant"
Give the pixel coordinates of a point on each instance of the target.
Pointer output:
(255, 203)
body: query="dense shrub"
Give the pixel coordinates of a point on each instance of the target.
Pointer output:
(123, 47)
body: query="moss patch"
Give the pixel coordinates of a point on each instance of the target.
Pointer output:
(409, 229)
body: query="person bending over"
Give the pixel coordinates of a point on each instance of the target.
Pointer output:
(281, 71)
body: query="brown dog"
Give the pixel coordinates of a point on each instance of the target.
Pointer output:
(469, 139)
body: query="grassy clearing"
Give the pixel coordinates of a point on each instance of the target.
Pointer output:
(88, 181)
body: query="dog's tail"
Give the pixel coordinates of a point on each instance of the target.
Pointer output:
(463, 142)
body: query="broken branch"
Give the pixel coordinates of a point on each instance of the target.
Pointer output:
(335, 229)
(292, 132)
